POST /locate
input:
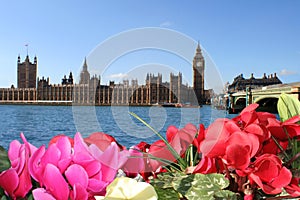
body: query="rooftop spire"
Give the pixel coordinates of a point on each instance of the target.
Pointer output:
(84, 64)
(198, 47)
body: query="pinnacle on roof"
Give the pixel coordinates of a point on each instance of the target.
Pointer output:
(198, 47)
(84, 64)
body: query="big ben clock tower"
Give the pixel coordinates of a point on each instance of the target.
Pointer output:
(198, 75)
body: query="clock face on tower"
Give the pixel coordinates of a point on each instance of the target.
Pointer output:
(198, 64)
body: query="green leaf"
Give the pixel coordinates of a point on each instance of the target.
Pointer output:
(1, 192)
(225, 194)
(4, 197)
(193, 186)
(163, 185)
(164, 180)
(288, 106)
(4, 161)
(167, 193)
(30, 197)
(203, 186)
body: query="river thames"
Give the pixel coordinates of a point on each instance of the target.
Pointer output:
(40, 123)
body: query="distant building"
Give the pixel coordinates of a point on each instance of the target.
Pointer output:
(240, 83)
(67, 81)
(198, 75)
(27, 73)
(84, 75)
(89, 90)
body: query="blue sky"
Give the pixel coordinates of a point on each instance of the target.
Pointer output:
(239, 36)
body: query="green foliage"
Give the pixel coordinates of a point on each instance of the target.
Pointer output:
(167, 193)
(1, 193)
(288, 106)
(193, 186)
(4, 161)
(182, 162)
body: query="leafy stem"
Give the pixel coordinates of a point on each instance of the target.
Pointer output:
(181, 161)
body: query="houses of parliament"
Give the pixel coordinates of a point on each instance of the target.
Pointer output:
(90, 91)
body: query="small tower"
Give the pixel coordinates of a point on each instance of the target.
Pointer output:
(27, 73)
(84, 75)
(70, 80)
(198, 75)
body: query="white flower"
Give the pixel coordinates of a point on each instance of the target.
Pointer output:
(128, 188)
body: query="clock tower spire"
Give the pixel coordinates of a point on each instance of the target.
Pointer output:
(198, 75)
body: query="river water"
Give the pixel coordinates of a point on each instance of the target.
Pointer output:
(40, 123)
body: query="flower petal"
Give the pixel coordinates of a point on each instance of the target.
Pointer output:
(171, 132)
(135, 162)
(97, 186)
(42, 194)
(102, 140)
(283, 179)
(13, 152)
(9, 181)
(79, 192)
(216, 135)
(25, 184)
(127, 188)
(34, 165)
(76, 174)
(52, 155)
(29, 146)
(55, 182)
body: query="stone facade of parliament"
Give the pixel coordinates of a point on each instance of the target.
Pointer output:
(89, 91)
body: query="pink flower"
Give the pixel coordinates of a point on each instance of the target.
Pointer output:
(180, 139)
(135, 162)
(97, 174)
(16, 181)
(159, 150)
(78, 178)
(102, 140)
(57, 154)
(87, 170)
(56, 186)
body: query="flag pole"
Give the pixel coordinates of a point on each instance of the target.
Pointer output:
(26, 48)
